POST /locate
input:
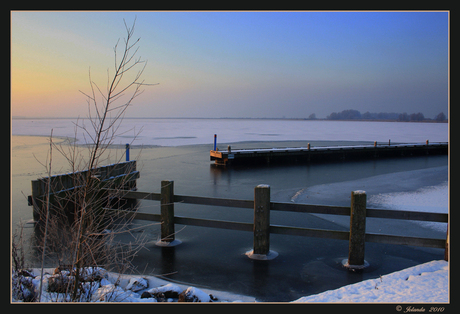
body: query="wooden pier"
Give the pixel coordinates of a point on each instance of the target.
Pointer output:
(325, 153)
(122, 175)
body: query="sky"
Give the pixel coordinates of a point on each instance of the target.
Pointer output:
(235, 64)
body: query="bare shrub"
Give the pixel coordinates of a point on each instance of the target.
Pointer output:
(78, 227)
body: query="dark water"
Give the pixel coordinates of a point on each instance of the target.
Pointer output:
(215, 258)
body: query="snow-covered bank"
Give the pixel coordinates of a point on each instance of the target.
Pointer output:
(422, 283)
(103, 286)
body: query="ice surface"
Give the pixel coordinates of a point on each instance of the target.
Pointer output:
(433, 199)
(422, 283)
(177, 132)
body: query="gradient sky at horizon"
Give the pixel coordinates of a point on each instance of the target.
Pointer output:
(236, 64)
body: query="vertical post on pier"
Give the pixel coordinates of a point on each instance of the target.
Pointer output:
(167, 215)
(389, 142)
(427, 142)
(357, 231)
(375, 143)
(261, 249)
(215, 142)
(127, 151)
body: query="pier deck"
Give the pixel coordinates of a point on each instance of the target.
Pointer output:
(325, 153)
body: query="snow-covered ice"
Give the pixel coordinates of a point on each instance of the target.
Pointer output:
(177, 132)
(422, 283)
(432, 199)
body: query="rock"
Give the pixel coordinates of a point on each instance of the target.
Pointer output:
(193, 294)
(26, 273)
(146, 295)
(60, 268)
(137, 284)
(23, 287)
(111, 293)
(60, 284)
(90, 274)
(169, 291)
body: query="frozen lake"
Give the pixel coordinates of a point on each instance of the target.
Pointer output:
(177, 132)
(178, 149)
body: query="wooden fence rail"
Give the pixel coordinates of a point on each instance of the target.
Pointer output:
(262, 228)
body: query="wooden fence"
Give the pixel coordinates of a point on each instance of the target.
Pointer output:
(262, 228)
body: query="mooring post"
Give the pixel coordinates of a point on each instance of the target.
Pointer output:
(262, 224)
(375, 143)
(127, 151)
(215, 142)
(427, 142)
(167, 211)
(357, 230)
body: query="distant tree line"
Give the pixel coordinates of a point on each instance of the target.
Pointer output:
(352, 114)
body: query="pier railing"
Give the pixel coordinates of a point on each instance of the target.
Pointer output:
(262, 227)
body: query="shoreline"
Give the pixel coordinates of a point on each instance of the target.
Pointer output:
(236, 118)
(412, 284)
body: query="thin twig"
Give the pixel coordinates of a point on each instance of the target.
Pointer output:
(47, 214)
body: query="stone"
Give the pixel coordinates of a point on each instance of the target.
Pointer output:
(192, 294)
(137, 284)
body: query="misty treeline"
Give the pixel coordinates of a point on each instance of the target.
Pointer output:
(352, 114)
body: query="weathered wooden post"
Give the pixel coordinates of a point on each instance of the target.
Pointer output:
(167, 215)
(357, 231)
(261, 249)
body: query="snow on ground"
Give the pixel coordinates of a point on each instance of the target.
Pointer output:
(114, 287)
(422, 283)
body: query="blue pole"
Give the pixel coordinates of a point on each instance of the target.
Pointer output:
(127, 152)
(215, 142)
